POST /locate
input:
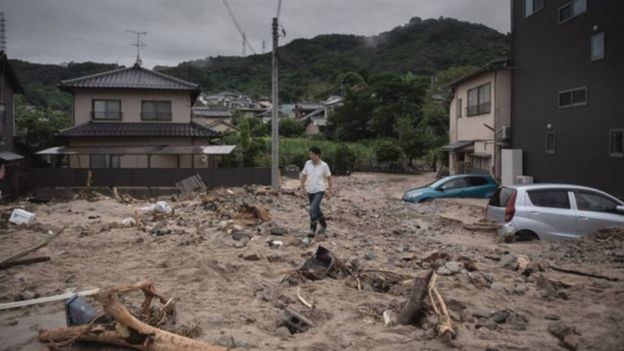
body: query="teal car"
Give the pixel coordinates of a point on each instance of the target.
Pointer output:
(462, 185)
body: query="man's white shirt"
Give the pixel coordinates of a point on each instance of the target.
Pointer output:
(315, 176)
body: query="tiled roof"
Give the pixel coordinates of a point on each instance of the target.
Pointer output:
(208, 112)
(135, 77)
(99, 129)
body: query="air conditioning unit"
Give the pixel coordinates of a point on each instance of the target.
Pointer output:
(523, 179)
(506, 133)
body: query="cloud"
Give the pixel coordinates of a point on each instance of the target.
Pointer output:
(180, 30)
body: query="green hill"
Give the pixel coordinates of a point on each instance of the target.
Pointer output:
(309, 68)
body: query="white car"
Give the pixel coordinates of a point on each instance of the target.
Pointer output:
(553, 211)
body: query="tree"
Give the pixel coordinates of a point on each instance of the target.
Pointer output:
(290, 127)
(39, 127)
(387, 151)
(351, 121)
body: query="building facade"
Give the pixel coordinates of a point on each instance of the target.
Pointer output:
(9, 159)
(567, 82)
(134, 118)
(479, 118)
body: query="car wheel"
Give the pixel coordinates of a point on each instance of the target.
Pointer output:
(525, 235)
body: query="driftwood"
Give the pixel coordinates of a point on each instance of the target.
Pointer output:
(127, 330)
(24, 261)
(31, 249)
(412, 309)
(445, 327)
(585, 274)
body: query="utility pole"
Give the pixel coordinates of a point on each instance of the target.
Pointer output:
(274, 113)
(139, 44)
(244, 43)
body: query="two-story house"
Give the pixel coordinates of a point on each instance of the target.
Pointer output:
(479, 118)
(135, 118)
(567, 117)
(9, 159)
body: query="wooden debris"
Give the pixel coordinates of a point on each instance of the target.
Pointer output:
(585, 274)
(304, 301)
(31, 249)
(412, 309)
(9, 305)
(127, 330)
(24, 261)
(445, 327)
(191, 184)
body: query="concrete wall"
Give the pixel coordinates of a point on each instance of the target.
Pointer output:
(549, 57)
(131, 103)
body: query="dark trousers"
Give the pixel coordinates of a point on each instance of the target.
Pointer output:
(316, 215)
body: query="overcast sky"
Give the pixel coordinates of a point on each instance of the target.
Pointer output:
(55, 31)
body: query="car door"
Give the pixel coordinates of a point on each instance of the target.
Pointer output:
(478, 187)
(596, 211)
(551, 213)
(454, 187)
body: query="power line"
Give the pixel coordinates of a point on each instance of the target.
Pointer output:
(238, 27)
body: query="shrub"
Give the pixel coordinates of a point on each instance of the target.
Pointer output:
(387, 151)
(290, 127)
(344, 159)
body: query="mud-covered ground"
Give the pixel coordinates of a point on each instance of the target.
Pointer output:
(232, 289)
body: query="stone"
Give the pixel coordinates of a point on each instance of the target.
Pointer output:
(520, 289)
(370, 256)
(239, 235)
(279, 231)
(523, 262)
(391, 318)
(251, 255)
(500, 317)
(498, 287)
(240, 244)
(27, 295)
(487, 323)
(509, 261)
(532, 267)
(450, 268)
(552, 317)
(478, 279)
(571, 342)
(482, 312)
(222, 225)
(560, 330)
(282, 332)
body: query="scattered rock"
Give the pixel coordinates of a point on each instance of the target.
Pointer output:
(282, 332)
(370, 256)
(482, 312)
(552, 317)
(479, 279)
(279, 231)
(532, 267)
(520, 289)
(391, 318)
(509, 261)
(551, 288)
(251, 255)
(567, 335)
(27, 295)
(239, 235)
(498, 287)
(450, 268)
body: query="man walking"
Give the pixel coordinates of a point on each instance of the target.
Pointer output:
(313, 177)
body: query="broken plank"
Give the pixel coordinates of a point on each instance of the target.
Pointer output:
(31, 249)
(585, 274)
(412, 309)
(9, 305)
(24, 261)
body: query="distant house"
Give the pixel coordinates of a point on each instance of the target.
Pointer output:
(567, 117)
(305, 108)
(134, 118)
(9, 159)
(479, 119)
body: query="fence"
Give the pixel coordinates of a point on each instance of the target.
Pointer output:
(142, 177)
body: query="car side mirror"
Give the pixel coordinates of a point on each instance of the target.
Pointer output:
(619, 209)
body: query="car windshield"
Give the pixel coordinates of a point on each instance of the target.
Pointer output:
(439, 182)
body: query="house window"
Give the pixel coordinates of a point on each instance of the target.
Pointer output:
(156, 110)
(532, 6)
(551, 142)
(459, 108)
(616, 142)
(573, 97)
(571, 10)
(479, 100)
(597, 46)
(106, 110)
(105, 161)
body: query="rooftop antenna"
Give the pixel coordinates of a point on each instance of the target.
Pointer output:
(139, 44)
(2, 32)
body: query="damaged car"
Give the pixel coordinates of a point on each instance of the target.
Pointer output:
(457, 186)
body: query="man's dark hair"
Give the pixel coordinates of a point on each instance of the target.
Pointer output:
(315, 150)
